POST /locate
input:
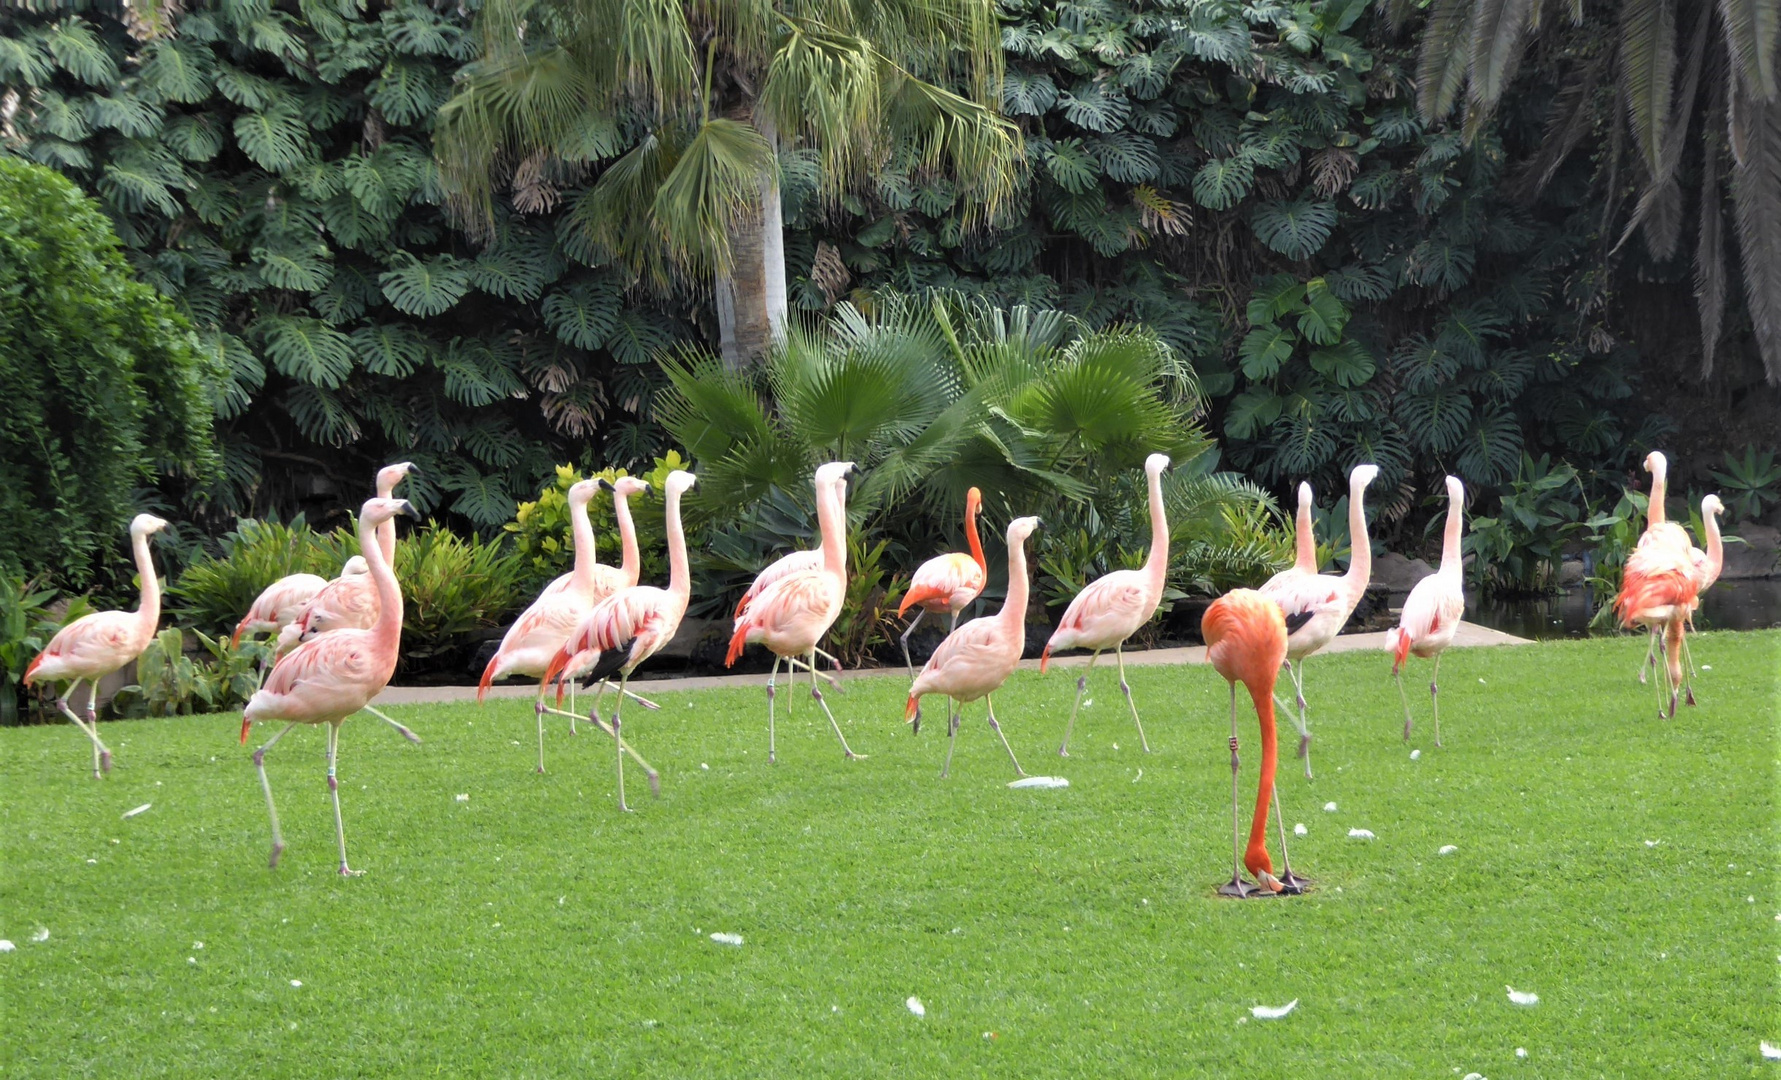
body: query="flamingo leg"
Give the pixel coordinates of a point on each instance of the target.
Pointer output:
(1303, 723)
(989, 702)
(618, 745)
(793, 663)
(816, 692)
(772, 753)
(913, 623)
(1291, 883)
(101, 756)
(1238, 887)
(334, 793)
(1081, 685)
(1688, 664)
(1650, 654)
(405, 732)
(266, 786)
(1119, 655)
(952, 734)
(1435, 698)
(538, 711)
(593, 717)
(1398, 677)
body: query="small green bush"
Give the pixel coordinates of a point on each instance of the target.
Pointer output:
(170, 683)
(103, 382)
(541, 529)
(451, 587)
(215, 591)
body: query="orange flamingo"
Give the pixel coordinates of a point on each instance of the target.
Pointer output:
(1433, 609)
(1658, 588)
(1317, 606)
(93, 646)
(350, 600)
(947, 583)
(792, 614)
(535, 637)
(1113, 607)
(1246, 642)
(977, 658)
(832, 478)
(1659, 532)
(643, 617)
(330, 677)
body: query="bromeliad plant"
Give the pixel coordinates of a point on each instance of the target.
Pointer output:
(1750, 484)
(1519, 549)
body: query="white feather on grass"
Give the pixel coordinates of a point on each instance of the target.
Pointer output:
(1521, 997)
(1273, 1012)
(1329, 807)
(128, 814)
(1039, 782)
(1361, 834)
(1771, 1053)
(1448, 849)
(42, 934)
(6, 946)
(1300, 830)
(915, 1006)
(727, 939)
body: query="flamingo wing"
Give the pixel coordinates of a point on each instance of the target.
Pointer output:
(1106, 612)
(327, 678)
(975, 658)
(1300, 593)
(280, 603)
(944, 583)
(91, 645)
(347, 603)
(798, 562)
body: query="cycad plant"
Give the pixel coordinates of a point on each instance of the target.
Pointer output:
(681, 109)
(1659, 70)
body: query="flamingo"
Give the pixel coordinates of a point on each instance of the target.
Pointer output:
(798, 562)
(1432, 611)
(947, 583)
(1707, 566)
(541, 629)
(279, 604)
(977, 658)
(350, 600)
(1113, 607)
(1659, 532)
(330, 677)
(1246, 640)
(1328, 600)
(610, 579)
(93, 646)
(643, 617)
(1659, 588)
(793, 613)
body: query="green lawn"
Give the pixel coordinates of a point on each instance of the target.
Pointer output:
(534, 931)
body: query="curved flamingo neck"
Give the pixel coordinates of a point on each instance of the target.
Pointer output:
(583, 531)
(627, 537)
(149, 610)
(830, 506)
(680, 579)
(1014, 606)
(1450, 536)
(1360, 559)
(1263, 696)
(386, 532)
(1156, 564)
(1660, 484)
(1715, 546)
(971, 538)
(1304, 537)
(387, 630)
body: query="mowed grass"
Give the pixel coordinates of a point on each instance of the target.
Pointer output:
(1619, 866)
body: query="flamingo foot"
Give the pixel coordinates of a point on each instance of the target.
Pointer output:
(105, 758)
(1238, 889)
(347, 871)
(1292, 884)
(1063, 751)
(855, 756)
(1406, 730)
(655, 783)
(277, 850)
(1691, 695)
(540, 770)
(1305, 751)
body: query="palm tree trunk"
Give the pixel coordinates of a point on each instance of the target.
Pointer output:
(751, 305)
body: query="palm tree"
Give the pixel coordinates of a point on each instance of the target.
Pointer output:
(1677, 66)
(698, 96)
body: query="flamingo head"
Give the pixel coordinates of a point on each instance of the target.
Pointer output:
(355, 567)
(833, 472)
(582, 492)
(1362, 475)
(391, 475)
(1656, 464)
(1021, 528)
(1155, 464)
(629, 486)
(1711, 507)
(146, 524)
(1305, 495)
(1456, 490)
(678, 482)
(378, 511)
(973, 500)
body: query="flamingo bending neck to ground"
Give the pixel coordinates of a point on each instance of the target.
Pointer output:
(93, 646)
(1432, 611)
(330, 677)
(792, 614)
(1112, 608)
(977, 658)
(946, 584)
(642, 617)
(1317, 606)
(1246, 642)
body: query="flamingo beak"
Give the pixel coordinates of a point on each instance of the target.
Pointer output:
(245, 724)
(602, 483)
(406, 509)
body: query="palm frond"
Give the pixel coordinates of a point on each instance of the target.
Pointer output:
(717, 183)
(1497, 30)
(1648, 71)
(1446, 55)
(1709, 253)
(1756, 200)
(1751, 29)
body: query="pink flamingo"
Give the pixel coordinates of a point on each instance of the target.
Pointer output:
(93, 646)
(977, 658)
(1433, 609)
(643, 617)
(947, 583)
(1113, 607)
(350, 600)
(541, 629)
(330, 677)
(832, 478)
(1659, 532)
(792, 614)
(279, 604)
(1246, 642)
(610, 579)
(1317, 606)
(1659, 588)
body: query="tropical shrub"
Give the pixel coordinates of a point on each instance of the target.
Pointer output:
(214, 591)
(1749, 485)
(541, 529)
(171, 683)
(25, 628)
(451, 587)
(104, 384)
(1519, 549)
